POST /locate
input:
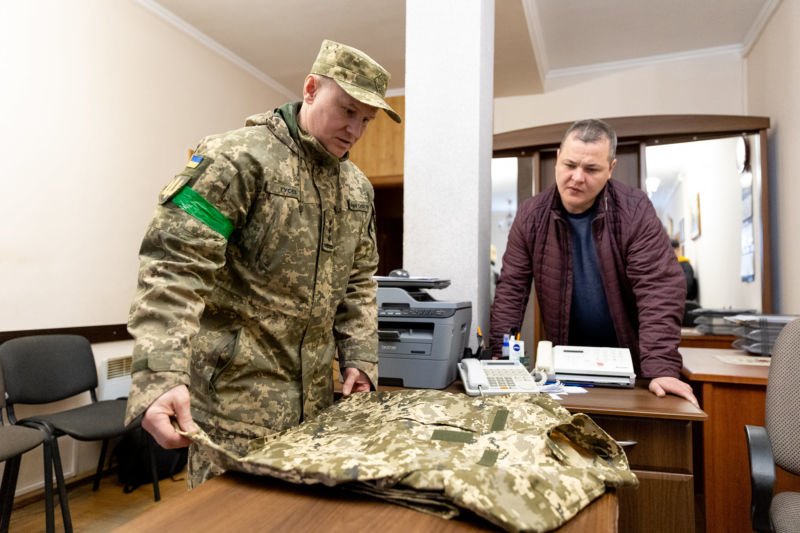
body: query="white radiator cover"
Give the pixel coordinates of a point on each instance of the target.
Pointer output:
(114, 380)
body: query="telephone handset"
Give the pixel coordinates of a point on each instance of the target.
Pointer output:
(544, 358)
(476, 377)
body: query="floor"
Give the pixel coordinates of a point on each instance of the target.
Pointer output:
(99, 511)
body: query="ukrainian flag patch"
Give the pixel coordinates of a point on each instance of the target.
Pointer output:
(195, 161)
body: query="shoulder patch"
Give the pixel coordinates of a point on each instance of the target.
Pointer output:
(194, 167)
(197, 165)
(195, 161)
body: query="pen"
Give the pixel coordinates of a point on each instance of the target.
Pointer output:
(584, 385)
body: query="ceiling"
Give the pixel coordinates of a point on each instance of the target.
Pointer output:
(535, 40)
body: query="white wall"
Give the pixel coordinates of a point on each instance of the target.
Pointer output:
(773, 75)
(100, 101)
(706, 85)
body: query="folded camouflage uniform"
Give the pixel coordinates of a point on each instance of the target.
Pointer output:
(521, 461)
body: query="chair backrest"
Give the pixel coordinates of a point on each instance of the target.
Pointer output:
(783, 398)
(47, 368)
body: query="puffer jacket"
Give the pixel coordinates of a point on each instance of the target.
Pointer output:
(643, 282)
(250, 312)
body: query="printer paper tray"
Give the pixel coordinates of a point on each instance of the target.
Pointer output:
(605, 381)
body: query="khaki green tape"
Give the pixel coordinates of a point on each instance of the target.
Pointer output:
(489, 458)
(500, 419)
(452, 436)
(138, 365)
(197, 206)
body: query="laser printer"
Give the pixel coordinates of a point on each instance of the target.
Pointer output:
(421, 339)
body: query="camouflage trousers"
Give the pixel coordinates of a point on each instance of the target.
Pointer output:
(521, 461)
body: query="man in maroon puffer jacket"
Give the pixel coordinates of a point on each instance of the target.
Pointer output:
(601, 263)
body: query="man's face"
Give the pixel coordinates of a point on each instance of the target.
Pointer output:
(335, 119)
(582, 170)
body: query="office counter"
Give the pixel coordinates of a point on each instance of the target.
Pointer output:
(733, 395)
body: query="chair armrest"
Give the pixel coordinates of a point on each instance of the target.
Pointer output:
(762, 476)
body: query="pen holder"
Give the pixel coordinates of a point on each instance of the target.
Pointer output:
(516, 350)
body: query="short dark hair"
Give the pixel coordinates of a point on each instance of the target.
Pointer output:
(592, 130)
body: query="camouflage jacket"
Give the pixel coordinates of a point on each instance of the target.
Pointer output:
(521, 461)
(247, 299)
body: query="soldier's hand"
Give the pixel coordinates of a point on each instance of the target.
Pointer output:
(157, 419)
(355, 381)
(663, 385)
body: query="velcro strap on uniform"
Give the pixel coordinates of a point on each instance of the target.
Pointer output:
(452, 436)
(489, 458)
(190, 201)
(500, 419)
(138, 365)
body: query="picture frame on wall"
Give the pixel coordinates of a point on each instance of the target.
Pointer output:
(694, 219)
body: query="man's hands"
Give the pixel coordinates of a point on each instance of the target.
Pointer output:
(354, 381)
(667, 385)
(157, 419)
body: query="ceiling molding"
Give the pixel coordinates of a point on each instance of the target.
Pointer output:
(537, 37)
(644, 61)
(758, 25)
(171, 18)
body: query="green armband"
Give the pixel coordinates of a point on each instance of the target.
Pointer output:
(190, 201)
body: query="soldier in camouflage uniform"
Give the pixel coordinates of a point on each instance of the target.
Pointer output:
(257, 267)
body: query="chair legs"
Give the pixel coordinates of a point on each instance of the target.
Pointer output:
(7, 489)
(100, 463)
(52, 443)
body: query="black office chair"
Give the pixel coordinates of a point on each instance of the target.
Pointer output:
(779, 442)
(47, 368)
(15, 440)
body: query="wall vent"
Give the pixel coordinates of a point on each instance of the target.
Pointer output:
(115, 378)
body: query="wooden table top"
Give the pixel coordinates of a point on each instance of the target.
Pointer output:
(704, 364)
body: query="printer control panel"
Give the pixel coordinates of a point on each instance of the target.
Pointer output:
(415, 312)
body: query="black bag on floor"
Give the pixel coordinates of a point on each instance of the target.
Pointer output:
(133, 459)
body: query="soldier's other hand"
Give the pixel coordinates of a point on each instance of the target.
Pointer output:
(355, 381)
(157, 419)
(664, 385)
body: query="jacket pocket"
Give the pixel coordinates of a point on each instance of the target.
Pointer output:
(274, 221)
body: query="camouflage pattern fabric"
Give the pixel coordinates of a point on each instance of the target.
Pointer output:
(251, 323)
(354, 71)
(521, 461)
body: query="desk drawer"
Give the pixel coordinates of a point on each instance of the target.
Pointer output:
(661, 445)
(661, 502)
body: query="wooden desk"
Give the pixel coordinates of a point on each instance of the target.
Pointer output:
(692, 338)
(660, 453)
(732, 395)
(240, 502)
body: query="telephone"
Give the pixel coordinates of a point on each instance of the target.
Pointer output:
(610, 367)
(495, 377)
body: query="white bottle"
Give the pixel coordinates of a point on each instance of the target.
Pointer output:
(506, 338)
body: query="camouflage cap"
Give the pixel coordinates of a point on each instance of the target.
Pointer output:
(354, 71)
